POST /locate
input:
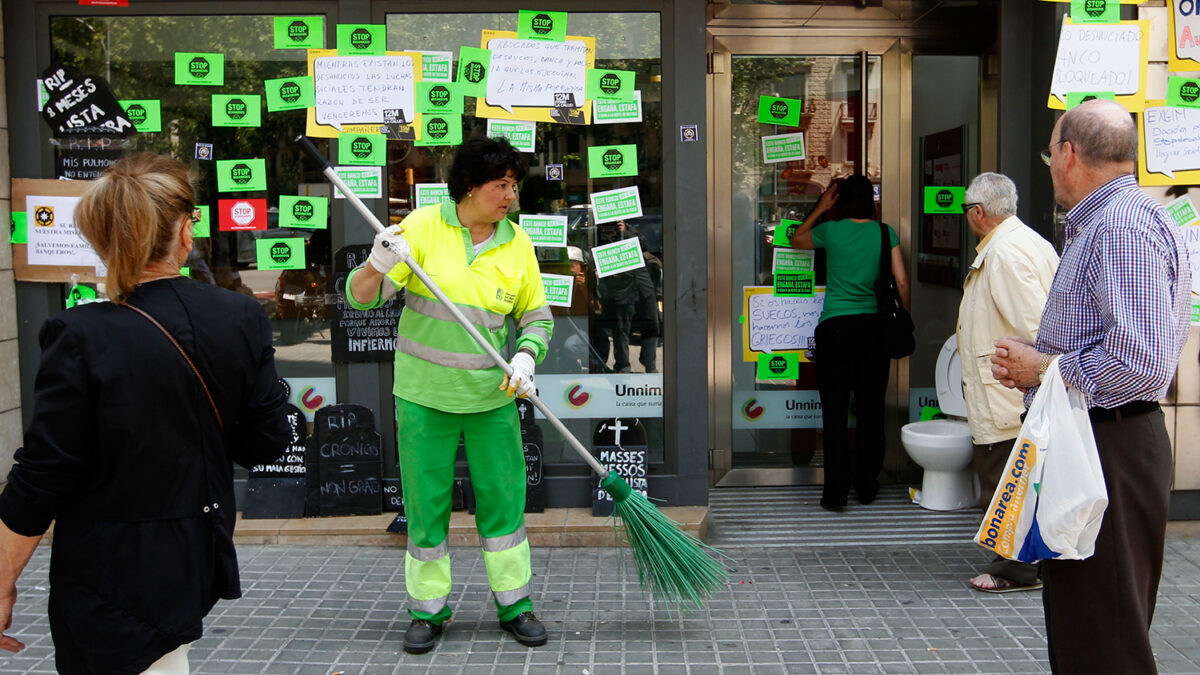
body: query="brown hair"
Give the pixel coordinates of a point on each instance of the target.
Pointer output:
(131, 214)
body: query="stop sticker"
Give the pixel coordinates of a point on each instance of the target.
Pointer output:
(242, 214)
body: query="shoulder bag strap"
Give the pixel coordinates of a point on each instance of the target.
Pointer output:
(885, 258)
(182, 353)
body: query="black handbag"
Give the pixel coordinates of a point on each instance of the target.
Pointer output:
(897, 326)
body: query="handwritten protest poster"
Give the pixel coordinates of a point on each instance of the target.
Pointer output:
(355, 94)
(1101, 57)
(537, 80)
(774, 324)
(1169, 138)
(1184, 24)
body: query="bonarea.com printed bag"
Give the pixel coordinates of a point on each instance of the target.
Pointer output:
(1051, 497)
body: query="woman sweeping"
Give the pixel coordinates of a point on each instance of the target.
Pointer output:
(446, 385)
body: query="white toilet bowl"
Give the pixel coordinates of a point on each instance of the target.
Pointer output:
(943, 447)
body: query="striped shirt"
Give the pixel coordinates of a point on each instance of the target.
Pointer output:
(1120, 304)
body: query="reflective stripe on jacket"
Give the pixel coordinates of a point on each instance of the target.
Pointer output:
(437, 363)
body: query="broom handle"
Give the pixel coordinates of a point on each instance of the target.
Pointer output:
(373, 221)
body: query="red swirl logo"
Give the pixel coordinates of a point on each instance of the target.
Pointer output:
(576, 397)
(752, 410)
(310, 399)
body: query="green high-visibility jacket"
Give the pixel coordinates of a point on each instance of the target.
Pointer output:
(438, 364)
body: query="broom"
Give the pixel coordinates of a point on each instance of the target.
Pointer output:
(672, 565)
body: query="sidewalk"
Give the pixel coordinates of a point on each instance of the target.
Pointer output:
(893, 609)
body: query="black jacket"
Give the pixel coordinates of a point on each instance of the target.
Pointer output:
(124, 453)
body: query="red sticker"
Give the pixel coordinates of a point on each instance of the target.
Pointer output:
(105, 3)
(242, 214)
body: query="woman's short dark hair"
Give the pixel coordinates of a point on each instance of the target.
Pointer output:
(856, 198)
(481, 160)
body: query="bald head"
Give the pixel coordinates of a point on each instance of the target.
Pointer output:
(1101, 132)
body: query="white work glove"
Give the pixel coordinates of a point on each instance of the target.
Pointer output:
(521, 380)
(390, 249)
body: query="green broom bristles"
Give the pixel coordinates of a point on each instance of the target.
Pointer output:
(675, 567)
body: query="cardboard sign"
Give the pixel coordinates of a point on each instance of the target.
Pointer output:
(22, 190)
(304, 212)
(79, 104)
(544, 230)
(612, 205)
(616, 85)
(144, 114)
(280, 254)
(362, 149)
(359, 89)
(437, 66)
(202, 229)
(520, 134)
(299, 32)
(1183, 92)
(944, 199)
(536, 25)
(431, 193)
(1094, 57)
(356, 335)
(290, 93)
(783, 147)
(620, 445)
(241, 175)
(439, 98)
(473, 66)
(440, 130)
(241, 214)
(236, 110)
(612, 161)
(361, 39)
(617, 111)
(364, 181)
(781, 111)
(784, 366)
(559, 289)
(620, 256)
(343, 468)
(196, 69)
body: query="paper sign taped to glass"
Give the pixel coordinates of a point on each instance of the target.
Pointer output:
(536, 80)
(1167, 145)
(775, 324)
(351, 93)
(1101, 57)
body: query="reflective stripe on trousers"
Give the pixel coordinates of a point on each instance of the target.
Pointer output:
(427, 577)
(508, 566)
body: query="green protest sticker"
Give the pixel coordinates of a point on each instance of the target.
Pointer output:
(610, 161)
(535, 25)
(146, 114)
(361, 39)
(785, 366)
(80, 295)
(439, 98)
(615, 85)
(558, 289)
(241, 175)
(931, 413)
(944, 199)
(299, 32)
(199, 69)
(236, 110)
(290, 93)
(1182, 211)
(304, 212)
(785, 230)
(20, 223)
(792, 261)
(1183, 92)
(440, 130)
(616, 204)
(795, 284)
(280, 254)
(620, 256)
(615, 111)
(782, 111)
(1074, 98)
(520, 135)
(783, 147)
(544, 230)
(364, 181)
(1095, 11)
(473, 66)
(362, 149)
(431, 193)
(202, 228)
(437, 66)
(1195, 313)
(185, 271)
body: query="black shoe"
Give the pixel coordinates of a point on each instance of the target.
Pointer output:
(867, 495)
(833, 505)
(421, 636)
(527, 629)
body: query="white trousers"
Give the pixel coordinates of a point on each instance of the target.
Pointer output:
(172, 663)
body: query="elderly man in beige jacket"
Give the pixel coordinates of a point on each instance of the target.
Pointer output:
(1003, 295)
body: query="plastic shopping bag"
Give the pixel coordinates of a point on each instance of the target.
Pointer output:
(1050, 500)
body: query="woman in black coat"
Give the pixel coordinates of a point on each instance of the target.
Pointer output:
(128, 449)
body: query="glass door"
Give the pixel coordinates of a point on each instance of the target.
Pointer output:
(776, 171)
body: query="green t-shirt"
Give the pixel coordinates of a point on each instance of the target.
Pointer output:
(852, 264)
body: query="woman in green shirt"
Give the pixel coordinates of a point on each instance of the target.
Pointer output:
(848, 354)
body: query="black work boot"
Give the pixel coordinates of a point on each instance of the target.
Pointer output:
(420, 636)
(527, 629)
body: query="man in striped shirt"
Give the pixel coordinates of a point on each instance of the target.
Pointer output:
(1116, 319)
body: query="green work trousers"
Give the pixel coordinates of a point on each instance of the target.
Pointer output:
(427, 440)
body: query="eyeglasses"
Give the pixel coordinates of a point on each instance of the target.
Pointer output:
(970, 205)
(1045, 154)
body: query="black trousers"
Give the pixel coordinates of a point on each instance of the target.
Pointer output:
(1098, 611)
(849, 360)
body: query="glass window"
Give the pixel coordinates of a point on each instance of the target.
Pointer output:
(607, 346)
(136, 56)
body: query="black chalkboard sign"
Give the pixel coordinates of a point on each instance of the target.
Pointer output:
(277, 489)
(82, 105)
(85, 157)
(620, 445)
(531, 442)
(343, 463)
(359, 336)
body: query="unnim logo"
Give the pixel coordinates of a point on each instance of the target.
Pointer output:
(751, 410)
(610, 83)
(360, 38)
(199, 67)
(612, 159)
(944, 198)
(235, 108)
(779, 110)
(576, 397)
(241, 173)
(298, 31)
(542, 24)
(310, 400)
(289, 91)
(302, 210)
